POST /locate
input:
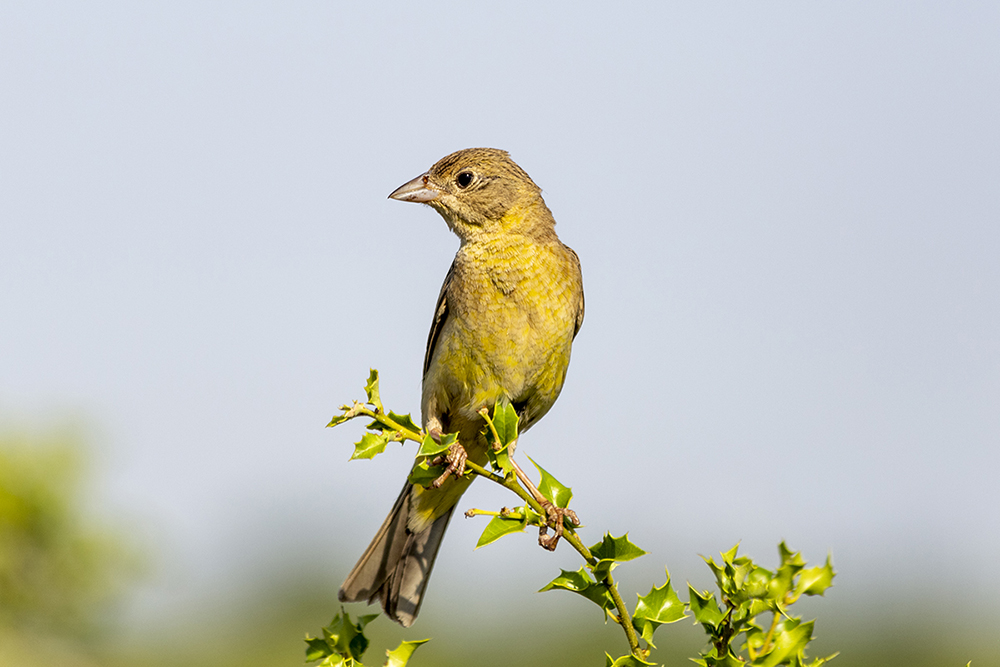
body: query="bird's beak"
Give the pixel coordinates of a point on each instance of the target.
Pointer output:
(418, 190)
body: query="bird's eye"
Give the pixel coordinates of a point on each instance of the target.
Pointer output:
(464, 179)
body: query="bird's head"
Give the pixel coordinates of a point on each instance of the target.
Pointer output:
(480, 192)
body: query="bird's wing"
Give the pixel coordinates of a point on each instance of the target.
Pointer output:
(440, 316)
(580, 308)
(579, 317)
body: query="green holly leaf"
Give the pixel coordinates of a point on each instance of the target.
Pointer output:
(741, 569)
(316, 648)
(705, 608)
(370, 445)
(581, 583)
(554, 491)
(722, 578)
(358, 647)
(405, 421)
(755, 638)
(729, 556)
(500, 459)
(610, 551)
(789, 557)
(603, 568)
(625, 661)
(423, 473)
(500, 526)
(339, 419)
(783, 581)
(431, 447)
(815, 580)
(505, 422)
(821, 661)
(732, 573)
(790, 639)
(756, 606)
(399, 656)
(532, 517)
(618, 549)
(344, 637)
(658, 607)
(337, 660)
(757, 583)
(371, 389)
(728, 659)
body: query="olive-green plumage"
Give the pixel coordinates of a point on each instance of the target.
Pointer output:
(510, 306)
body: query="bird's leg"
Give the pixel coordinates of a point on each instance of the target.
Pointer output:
(455, 458)
(554, 515)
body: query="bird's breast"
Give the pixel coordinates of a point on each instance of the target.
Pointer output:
(511, 317)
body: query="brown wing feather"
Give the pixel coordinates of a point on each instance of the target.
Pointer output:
(440, 315)
(580, 309)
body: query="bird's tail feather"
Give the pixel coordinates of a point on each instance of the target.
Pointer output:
(397, 564)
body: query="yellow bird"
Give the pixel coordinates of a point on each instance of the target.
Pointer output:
(508, 311)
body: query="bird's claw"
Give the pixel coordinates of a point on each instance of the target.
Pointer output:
(455, 458)
(554, 516)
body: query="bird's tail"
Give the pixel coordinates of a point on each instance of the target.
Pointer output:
(397, 564)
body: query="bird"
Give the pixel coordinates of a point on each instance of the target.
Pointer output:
(503, 328)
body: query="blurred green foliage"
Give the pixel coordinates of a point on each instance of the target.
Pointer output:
(58, 567)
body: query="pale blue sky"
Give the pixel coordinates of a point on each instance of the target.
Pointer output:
(787, 215)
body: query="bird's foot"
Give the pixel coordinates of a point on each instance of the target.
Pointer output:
(554, 516)
(455, 458)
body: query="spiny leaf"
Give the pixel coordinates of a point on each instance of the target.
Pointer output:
(339, 419)
(815, 580)
(821, 661)
(371, 389)
(705, 608)
(405, 421)
(755, 637)
(603, 568)
(317, 648)
(399, 656)
(616, 548)
(500, 526)
(340, 635)
(625, 661)
(423, 473)
(790, 639)
(729, 556)
(550, 487)
(659, 606)
(358, 645)
(500, 459)
(790, 557)
(721, 578)
(431, 447)
(505, 422)
(732, 573)
(756, 606)
(580, 582)
(349, 412)
(370, 445)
